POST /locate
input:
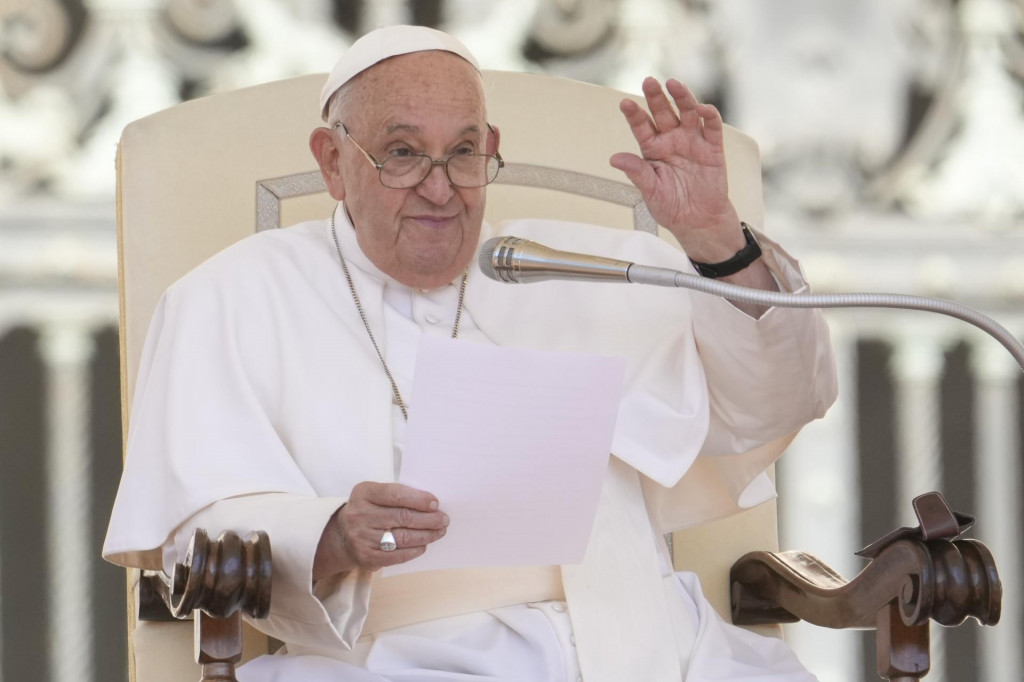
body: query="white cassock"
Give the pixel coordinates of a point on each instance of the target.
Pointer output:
(260, 403)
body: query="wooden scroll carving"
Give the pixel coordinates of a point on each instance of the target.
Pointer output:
(217, 582)
(915, 574)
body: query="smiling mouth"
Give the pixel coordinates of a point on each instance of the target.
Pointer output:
(433, 220)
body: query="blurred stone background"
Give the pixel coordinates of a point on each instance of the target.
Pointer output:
(893, 147)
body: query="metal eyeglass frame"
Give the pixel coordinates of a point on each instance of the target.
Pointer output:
(433, 162)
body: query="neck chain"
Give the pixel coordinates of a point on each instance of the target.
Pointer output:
(396, 395)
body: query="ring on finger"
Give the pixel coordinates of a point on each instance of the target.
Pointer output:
(387, 542)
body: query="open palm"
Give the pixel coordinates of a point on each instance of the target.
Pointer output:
(681, 170)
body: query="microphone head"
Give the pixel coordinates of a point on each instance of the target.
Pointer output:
(495, 258)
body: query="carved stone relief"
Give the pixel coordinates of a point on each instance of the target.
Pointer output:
(907, 105)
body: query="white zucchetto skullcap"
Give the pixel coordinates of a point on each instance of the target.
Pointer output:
(378, 45)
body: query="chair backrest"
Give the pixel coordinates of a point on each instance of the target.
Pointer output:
(201, 175)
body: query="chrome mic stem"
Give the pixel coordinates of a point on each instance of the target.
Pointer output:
(648, 274)
(645, 274)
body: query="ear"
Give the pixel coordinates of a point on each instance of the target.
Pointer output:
(324, 145)
(493, 139)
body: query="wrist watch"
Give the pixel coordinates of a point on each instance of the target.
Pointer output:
(744, 257)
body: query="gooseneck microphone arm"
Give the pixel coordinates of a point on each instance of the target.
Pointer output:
(513, 260)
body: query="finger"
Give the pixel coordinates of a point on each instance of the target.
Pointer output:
(713, 126)
(639, 121)
(637, 170)
(409, 544)
(371, 520)
(685, 102)
(664, 114)
(405, 538)
(400, 556)
(380, 559)
(368, 540)
(395, 495)
(390, 517)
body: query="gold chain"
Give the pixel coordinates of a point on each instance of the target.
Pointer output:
(397, 396)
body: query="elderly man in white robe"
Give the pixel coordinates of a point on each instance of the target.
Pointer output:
(281, 368)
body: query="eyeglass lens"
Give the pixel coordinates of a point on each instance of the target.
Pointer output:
(464, 170)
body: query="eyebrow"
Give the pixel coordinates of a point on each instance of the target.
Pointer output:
(405, 127)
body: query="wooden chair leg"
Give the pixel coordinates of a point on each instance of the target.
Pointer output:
(902, 650)
(218, 646)
(216, 583)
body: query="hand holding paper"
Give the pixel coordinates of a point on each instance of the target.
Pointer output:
(514, 443)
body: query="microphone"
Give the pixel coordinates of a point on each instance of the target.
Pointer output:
(513, 260)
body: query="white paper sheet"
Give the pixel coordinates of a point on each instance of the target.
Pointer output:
(514, 443)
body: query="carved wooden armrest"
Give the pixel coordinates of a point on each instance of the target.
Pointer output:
(914, 575)
(217, 581)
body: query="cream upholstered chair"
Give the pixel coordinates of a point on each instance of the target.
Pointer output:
(201, 175)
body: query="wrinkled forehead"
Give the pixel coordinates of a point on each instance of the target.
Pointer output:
(421, 79)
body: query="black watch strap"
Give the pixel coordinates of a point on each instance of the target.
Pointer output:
(744, 257)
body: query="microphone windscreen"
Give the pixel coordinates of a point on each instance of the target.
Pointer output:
(491, 249)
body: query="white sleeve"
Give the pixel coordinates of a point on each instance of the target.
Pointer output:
(766, 377)
(329, 614)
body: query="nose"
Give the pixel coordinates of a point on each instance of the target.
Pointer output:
(435, 188)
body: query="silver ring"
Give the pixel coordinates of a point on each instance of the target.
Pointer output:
(387, 542)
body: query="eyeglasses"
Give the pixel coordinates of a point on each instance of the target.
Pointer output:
(405, 172)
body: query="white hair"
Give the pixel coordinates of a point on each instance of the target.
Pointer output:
(337, 105)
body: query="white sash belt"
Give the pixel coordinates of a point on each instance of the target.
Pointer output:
(410, 598)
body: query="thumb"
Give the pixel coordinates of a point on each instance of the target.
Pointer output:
(637, 170)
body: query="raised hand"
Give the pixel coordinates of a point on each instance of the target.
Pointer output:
(681, 171)
(352, 537)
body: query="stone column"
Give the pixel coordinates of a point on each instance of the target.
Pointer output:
(917, 366)
(5, 326)
(818, 505)
(66, 348)
(999, 501)
(386, 12)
